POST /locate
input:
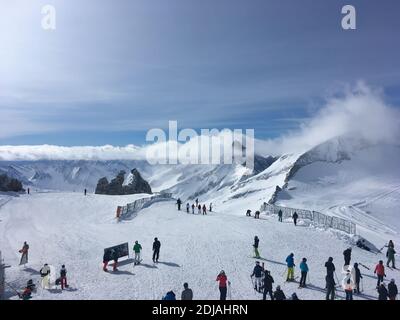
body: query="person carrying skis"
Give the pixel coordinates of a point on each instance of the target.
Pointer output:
(115, 257)
(204, 210)
(179, 203)
(304, 271)
(45, 274)
(136, 249)
(255, 245)
(223, 282)
(330, 267)
(390, 254)
(392, 290)
(358, 278)
(156, 249)
(106, 258)
(330, 287)
(382, 292)
(290, 265)
(280, 214)
(63, 277)
(295, 217)
(24, 256)
(380, 272)
(187, 207)
(248, 213)
(268, 281)
(169, 296)
(257, 274)
(187, 293)
(347, 256)
(278, 294)
(193, 208)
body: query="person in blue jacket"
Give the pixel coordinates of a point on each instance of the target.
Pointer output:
(304, 270)
(169, 296)
(290, 265)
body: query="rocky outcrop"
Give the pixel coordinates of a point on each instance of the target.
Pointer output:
(8, 184)
(133, 184)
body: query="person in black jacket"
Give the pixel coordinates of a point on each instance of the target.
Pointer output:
(330, 267)
(347, 256)
(268, 281)
(392, 290)
(280, 215)
(382, 291)
(295, 217)
(358, 277)
(179, 203)
(257, 273)
(255, 246)
(156, 249)
(278, 294)
(330, 288)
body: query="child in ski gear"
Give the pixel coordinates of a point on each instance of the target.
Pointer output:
(24, 256)
(156, 249)
(106, 258)
(187, 293)
(63, 277)
(248, 213)
(295, 217)
(278, 294)
(392, 290)
(380, 272)
(137, 248)
(193, 208)
(268, 281)
(204, 209)
(45, 274)
(330, 267)
(199, 209)
(358, 278)
(223, 281)
(290, 265)
(179, 203)
(280, 215)
(382, 292)
(348, 289)
(390, 255)
(257, 215)
(347, 256)
(257, 273)
(330, 287)
(255, 245)
(169, 296)
(304, 270)
(187, 207)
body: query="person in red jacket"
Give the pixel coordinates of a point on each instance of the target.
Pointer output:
(223, 280)
(380, 272)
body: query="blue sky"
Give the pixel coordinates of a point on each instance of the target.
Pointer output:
(114, 69)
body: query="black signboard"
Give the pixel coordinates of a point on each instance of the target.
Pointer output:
(121, 249)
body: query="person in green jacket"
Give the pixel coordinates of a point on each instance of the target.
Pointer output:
(137, 248)
(390, 254)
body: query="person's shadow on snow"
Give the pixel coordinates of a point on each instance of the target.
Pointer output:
(170, 264)
(146, 266)
(119, 272)
(31, 271)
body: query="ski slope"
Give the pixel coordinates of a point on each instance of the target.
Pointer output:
(71, 229)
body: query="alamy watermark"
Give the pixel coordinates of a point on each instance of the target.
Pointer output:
(210, 147)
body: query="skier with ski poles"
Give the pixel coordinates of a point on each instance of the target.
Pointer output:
(257, 274)
(347, 256)
(304, 271)
(24, 256)
(380, 272)
(136, 249)
(223, 282)
(255, 246)
(268, 281)
(290, 267)
(358, 278)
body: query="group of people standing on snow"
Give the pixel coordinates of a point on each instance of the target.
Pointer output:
(295, 216)
(201, 209)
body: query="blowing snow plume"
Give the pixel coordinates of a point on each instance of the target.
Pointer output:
(360, 112)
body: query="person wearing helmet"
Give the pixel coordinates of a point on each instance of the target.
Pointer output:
(257, 273)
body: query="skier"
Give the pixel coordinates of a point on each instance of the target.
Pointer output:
(347, 256)
(223, 281)
(278, 294)
(187, 207)
(330, 267)
(295, 217)
(304, 270)
(187, 293)
(257, 215)
(156, 249)
(390, 254)
(197, 202)
(382, 292)
(199, 209)
(85, 191)
(45, 274)
(330, 287)
(248, 213)
(280, 215)
(380, 272)
(29, 191)
(106, 258)
(115, 256)
(24, 251)
(257, 273)
(169, 296)
(210, 209)
(392, 290)
(255, 245)
(358, 278)
(290, 265)
(204, 210)
(63, 277)
(137, 248)
(179, 203)
(268, 281)
(348, 289)
(193, 208)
